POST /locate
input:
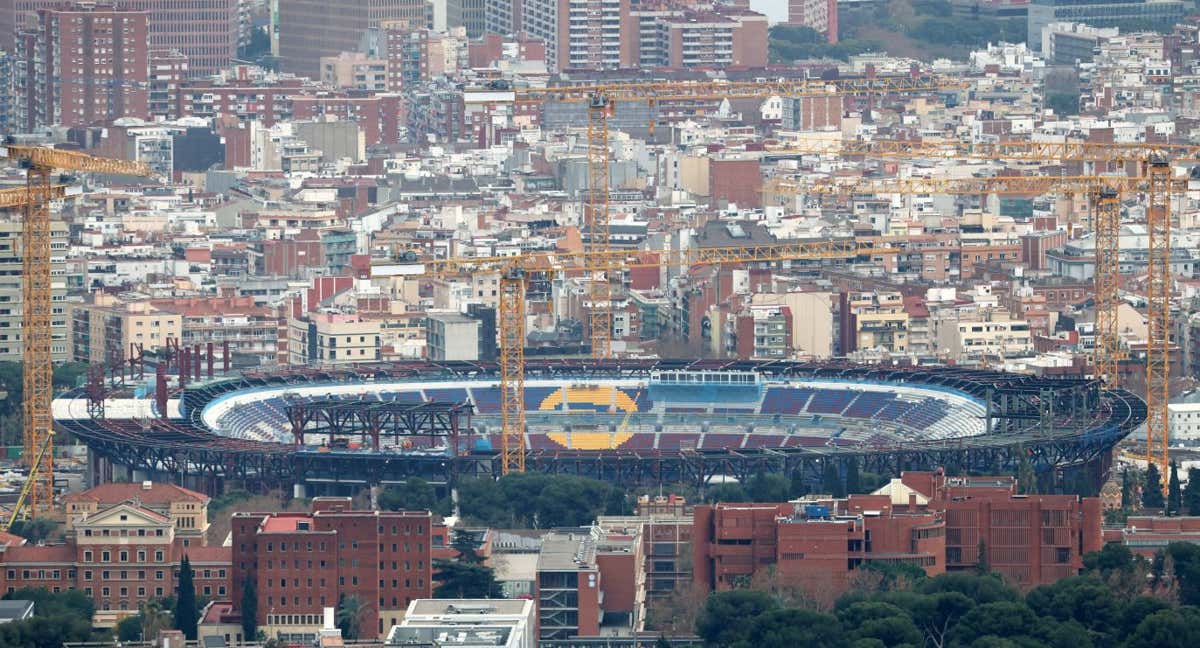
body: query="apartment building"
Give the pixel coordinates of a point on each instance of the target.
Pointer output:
(879, 321)
(821, 15)
(452, 336)
(355, 71)
(984, 333)
(301, 563)
(168, 70)
(250, 330)
(83, 65)
(105, 327)
(310, 29)
(11, 260)
(331, 338)
(728, 36)
(763, 332)
(205, 31)
(582, 34)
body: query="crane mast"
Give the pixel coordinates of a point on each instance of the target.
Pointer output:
(37, 299)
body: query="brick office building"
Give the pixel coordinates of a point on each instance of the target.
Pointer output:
(302, 563)
(124, 543)
(815, 544)
(940, 523)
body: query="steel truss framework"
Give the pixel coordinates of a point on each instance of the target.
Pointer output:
(1053, 423)
(371, 420)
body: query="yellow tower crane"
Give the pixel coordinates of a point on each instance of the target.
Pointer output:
(514, 270)
(601, 100)
(1157, 183)
(37, 297)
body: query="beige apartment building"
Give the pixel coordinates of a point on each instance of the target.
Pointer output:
(880, 321)
(332, 338)
(106, 325)
(355, 71)
(987, 333)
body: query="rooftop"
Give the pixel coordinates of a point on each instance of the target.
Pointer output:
(568, 550)
(144, 492)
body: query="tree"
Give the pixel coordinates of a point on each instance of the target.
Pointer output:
(1191, 494)
(349, 614)
(767, 488)
(730, 616)
(36, 530)
(1026, 477)
(982, 566)
(1174, 494)
(69, 603)
(68, 375)
(466, 544)
(130, 628)
(831, 481)
(1167, 629)
(1152, 496)
(1127, 489)
(618, 502)
(249, 608)
(797, 487)
(853, 479)
(416, 494)
(459, 580)
(59, 617)
(186, 615)
(154, 618)
(730, 492)
(662, 642)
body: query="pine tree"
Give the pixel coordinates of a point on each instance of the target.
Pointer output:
(1174, 495)
(1127, 489)
(1191, 494)
(249, 609)
(186, 616)
(1152, 496)
(982, 566)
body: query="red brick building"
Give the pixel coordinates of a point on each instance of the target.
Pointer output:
(124, 543)
(83, 65)
(939, 523)
(815, 545)
(736, 181)
(304, 562)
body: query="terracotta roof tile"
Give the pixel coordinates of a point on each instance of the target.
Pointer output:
(116, 493)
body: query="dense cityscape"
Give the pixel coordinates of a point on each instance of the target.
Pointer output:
(600, 323)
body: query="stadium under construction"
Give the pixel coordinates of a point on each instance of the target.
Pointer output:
(645, 423)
